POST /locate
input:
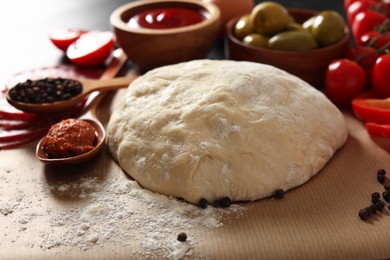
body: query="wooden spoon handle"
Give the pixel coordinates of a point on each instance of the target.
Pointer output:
(91, 85)
(119, 59)
(94, 102)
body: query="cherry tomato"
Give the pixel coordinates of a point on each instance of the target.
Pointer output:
(91, 49)
(365, 57)
(364, 22)
(356, 7)
(377, 40)
(63, 37)
(347, 3)
(344, 80)
(367, 37)
(380, 79)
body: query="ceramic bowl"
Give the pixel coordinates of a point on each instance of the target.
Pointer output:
(310, 66)
(151, 48)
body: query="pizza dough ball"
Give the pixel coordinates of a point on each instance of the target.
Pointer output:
(212, 129)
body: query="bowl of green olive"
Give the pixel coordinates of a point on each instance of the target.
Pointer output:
(302, 42)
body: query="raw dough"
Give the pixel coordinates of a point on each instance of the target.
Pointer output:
(212, 129)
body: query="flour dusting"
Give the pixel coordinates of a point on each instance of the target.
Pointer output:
(117, 212)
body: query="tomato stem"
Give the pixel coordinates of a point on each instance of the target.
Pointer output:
(381, 7)
(383, 27)
(382, 49)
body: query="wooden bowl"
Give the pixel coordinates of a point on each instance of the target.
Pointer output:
(151, 48)
(310, 66)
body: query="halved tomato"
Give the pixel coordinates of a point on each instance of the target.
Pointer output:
(63, 37)
(91, 49)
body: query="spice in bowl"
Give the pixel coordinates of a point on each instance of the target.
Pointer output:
(70, 137)
(46, 90)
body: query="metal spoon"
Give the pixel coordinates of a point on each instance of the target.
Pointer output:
(89, 86)
(90, 116)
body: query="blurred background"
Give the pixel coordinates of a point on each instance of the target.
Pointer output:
(25, 25)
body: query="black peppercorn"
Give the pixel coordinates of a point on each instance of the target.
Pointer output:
(387, 187)
(375, 194)
(373, 208)
(45, 90)
(380, 178)
(182, 237)
(278, 194)
(225, 202)
(363, 214)
(381, 172)
(386, 196)
(203, 203)
(375, 197)
(370, 210)
(379, 205)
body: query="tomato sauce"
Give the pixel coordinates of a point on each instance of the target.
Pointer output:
(70, 137)
(166, 18)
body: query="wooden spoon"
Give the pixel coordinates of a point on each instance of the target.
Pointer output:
(89, 86)
(90, 115)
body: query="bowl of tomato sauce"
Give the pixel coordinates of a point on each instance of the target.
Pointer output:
(155, 33)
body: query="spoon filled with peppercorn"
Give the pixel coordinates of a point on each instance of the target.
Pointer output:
(58, 94)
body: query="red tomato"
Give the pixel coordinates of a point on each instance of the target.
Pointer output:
(64, 37)
(364, 22)
(347, 3)
(365, 57)
(367, 37)
(91, 49)
(344, 79)
(357, 7)
(380, 79)
(377, 40)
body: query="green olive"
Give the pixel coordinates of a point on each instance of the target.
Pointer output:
(256, 40)
(270, 18)
(294, 27)
(308, 23)
(293, 41)
(328, 28)
(243, 27)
